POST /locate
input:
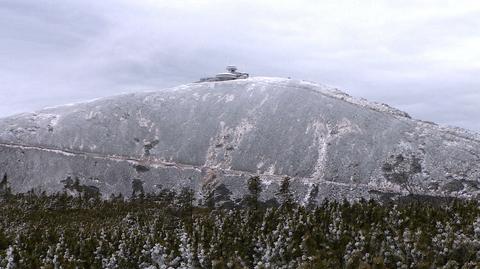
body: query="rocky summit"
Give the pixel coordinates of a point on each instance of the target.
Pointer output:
(216, 135)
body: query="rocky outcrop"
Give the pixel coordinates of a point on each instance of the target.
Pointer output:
(218, 134)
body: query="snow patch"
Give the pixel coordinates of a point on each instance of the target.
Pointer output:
(227, 140)
(229, 98)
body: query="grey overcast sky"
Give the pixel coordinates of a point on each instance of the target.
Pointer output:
(420, 56)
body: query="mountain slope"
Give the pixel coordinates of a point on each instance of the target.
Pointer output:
(213, 134)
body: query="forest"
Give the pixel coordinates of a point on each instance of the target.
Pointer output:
(173, 230)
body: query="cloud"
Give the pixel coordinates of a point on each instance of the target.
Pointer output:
(420, 56)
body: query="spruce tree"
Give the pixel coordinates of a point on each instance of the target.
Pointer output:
(209, 197)
(137, 188)
(285, 195)
(254, 190)
(186, 198)
(5, 190)
(312, 197)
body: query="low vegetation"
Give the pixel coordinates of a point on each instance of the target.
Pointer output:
(168, 230)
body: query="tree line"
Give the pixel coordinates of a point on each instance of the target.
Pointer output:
(172, 230)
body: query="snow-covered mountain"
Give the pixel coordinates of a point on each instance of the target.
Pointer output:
(218, 134)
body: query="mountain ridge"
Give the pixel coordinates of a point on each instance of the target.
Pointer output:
(229, 131)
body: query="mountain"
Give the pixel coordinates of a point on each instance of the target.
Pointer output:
(216, 135)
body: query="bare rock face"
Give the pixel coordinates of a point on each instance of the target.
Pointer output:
(215, 135)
